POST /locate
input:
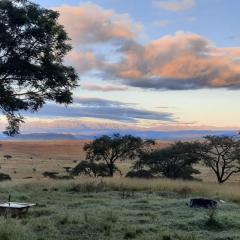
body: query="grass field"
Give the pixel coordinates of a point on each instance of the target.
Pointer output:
(116, 208)
(44, 156)
(87, 210)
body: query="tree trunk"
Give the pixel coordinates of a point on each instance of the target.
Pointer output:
(110, 166)
(220, 179)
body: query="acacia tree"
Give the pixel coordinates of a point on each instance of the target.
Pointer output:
(222, 155)
(174, 161)
(32, 48)
(109, 149)
(92, 169)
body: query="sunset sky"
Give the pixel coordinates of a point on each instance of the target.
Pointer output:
(148, 65)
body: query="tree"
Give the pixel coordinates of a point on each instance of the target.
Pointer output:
(32, 48)
(109, 149)
(7, 156)
(141, 173)
(92, 169)
(174, 161)
(222, 155)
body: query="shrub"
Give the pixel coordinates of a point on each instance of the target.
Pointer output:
(139, 174)
(7, 156)
(212, 220)
(175, 161)
(54, 175)
(92, 169)
(4, 177)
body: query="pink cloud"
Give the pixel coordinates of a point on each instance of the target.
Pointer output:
(180, 61)
(90, 23)
(91, 126)
(83, 61)
(104, 88)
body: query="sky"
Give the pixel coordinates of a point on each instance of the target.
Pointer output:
(159, 65)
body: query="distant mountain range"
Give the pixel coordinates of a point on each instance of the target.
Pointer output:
(40, 136)
(159, 135)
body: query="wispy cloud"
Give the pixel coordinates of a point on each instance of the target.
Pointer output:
(104, 88)
(104, 109)
(89, 23)
(174, 5)
(181, 61)
(93, 127)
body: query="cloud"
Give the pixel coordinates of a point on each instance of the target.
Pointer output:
(177, 62)
(104, 109)
(92, 127)
(83, 126)
(103, 88)
(83, 61)
(180, 61)
(90, 24)
(97, 102)
(174, 5)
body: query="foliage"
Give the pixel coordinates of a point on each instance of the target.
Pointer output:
(32, 48)
(103, 214)
(109, 149)
(222, 155)
(139, 174)
(7, 156)
(54, 175)
(93, 169)
(4, 177)
(175, 161)
(212, 217)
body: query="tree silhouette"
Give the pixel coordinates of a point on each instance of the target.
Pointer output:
(174, 161)
(109, 149)
(222, 155)
(32, 48)
(93, 169)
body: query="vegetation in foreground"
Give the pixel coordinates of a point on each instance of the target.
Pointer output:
(33, 45)
(111, 209)
(219, 153)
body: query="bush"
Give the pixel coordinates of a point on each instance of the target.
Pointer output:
(139, 174)
(4, 177)
(54, 175)
(92, 169)
(175, 161)
(212, 219)
(7, 156)
(87, 187)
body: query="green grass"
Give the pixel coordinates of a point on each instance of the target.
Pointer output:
(100, 210)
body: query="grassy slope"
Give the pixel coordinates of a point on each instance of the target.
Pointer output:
(54, 155)
(97, 211)
(118, 208)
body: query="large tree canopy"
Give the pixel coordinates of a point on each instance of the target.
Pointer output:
(32, 48)
(109, 149)
(222, 155)
(174, 161)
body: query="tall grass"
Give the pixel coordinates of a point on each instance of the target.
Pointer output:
(226, 191)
